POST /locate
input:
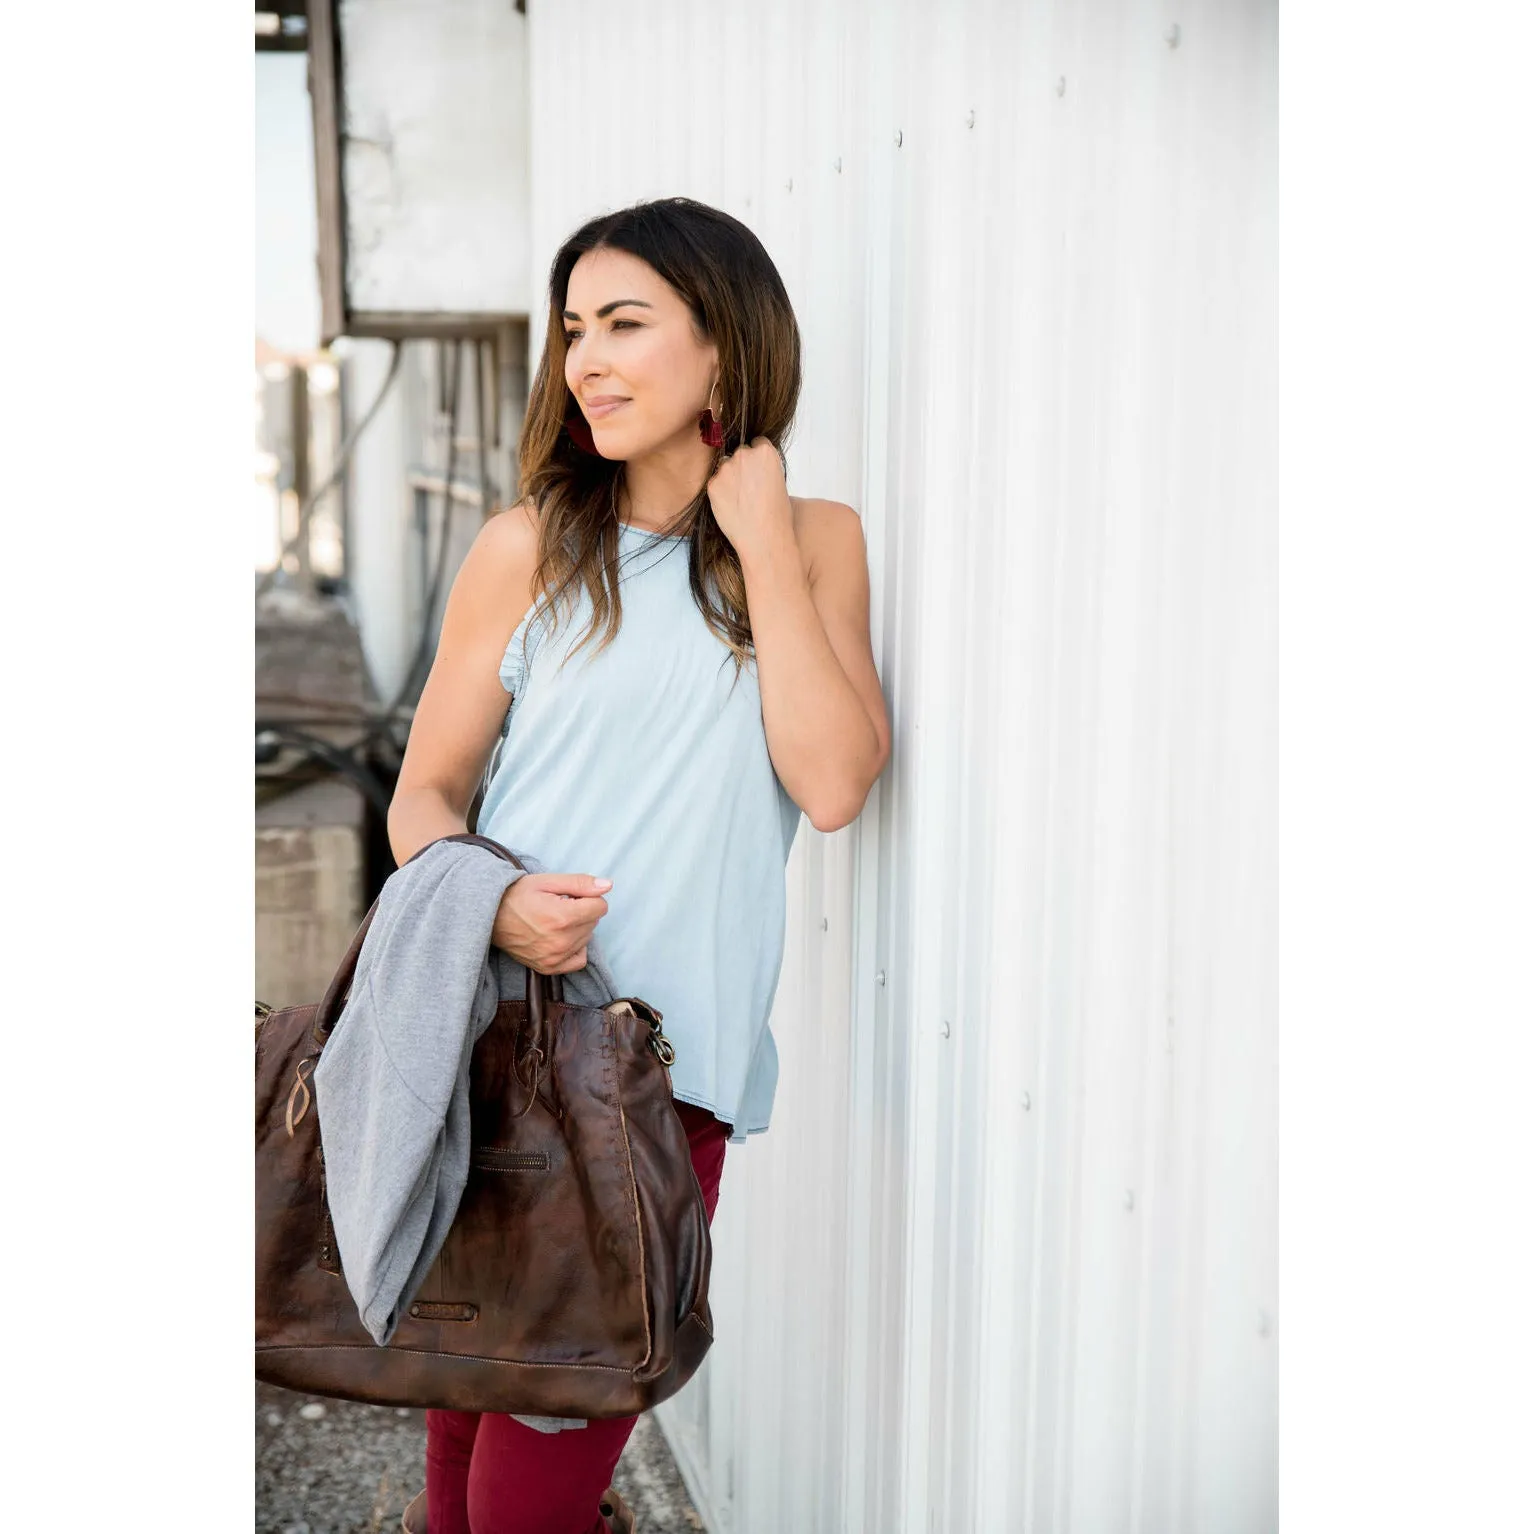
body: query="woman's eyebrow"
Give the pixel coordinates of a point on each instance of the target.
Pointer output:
(607, 309)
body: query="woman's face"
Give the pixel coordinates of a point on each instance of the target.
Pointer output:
(643, 351)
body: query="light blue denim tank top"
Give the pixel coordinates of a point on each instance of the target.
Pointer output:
(647, 764)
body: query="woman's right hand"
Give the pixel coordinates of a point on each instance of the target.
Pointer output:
(545, 920)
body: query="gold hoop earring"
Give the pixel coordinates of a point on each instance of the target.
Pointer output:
(710, 428)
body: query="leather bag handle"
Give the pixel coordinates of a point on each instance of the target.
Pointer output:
(541, 988)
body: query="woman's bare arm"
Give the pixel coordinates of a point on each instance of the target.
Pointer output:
(463, 703)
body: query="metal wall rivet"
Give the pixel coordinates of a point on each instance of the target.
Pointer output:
(945, 1027)
(1264, 1325)
(837, 162)
(1060, 86)
(1173, 35)
(824, 923)
(789, 184)
(1027, 1102)
(1129, 1198)
(879, 978)
(969, 122)
(899, 136)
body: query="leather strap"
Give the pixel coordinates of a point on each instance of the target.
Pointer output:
(541, 988)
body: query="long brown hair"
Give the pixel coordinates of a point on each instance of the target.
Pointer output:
(738, 301)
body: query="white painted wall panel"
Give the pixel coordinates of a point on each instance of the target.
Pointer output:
(435, 156)
(1009, 1251)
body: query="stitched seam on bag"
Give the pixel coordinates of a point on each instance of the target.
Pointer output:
(644, 1291)
(478, 1358)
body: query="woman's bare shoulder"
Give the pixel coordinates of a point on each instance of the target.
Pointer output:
(814, 518)
(494, 583)
(512, 532)
(505, 548)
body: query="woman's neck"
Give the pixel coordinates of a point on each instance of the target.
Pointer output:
(651, 496)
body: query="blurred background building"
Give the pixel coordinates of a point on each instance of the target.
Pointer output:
(1009, 1253)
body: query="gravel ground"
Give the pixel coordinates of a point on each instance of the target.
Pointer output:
(337, 1467)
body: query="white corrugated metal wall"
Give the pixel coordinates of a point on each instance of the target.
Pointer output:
(1008, 1255)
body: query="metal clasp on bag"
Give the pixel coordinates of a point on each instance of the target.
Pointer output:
(660, 1046)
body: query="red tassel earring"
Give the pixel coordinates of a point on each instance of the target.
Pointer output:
(710, 429)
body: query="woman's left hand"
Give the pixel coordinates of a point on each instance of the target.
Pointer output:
(750, 498)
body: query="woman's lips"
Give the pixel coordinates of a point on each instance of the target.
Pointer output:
(596, 412)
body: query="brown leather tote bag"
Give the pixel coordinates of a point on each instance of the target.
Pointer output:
(574, 1280)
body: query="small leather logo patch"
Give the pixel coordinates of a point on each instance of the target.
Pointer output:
(442, 1310)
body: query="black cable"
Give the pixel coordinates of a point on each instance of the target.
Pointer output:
(338, 758)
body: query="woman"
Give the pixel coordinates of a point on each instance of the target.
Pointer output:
(654, 510)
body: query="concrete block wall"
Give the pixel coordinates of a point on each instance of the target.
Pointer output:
(309, 889)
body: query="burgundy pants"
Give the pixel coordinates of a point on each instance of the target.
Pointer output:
(487, 1473)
